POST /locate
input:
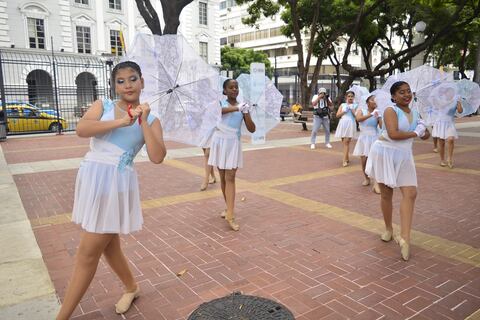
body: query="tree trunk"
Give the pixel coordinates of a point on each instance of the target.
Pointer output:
(150, 16)
(476, 74)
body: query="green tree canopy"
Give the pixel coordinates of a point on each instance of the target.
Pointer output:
(238, 60)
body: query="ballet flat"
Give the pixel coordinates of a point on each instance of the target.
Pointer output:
(443, 164)
(126, 300)
(450, 164)
(386, 236)
(404, 248)
(233, 225)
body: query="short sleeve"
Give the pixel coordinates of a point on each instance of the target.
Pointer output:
(107, 105)
(150, 119)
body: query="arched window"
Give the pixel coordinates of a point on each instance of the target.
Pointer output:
(86, 92)
(40, 90)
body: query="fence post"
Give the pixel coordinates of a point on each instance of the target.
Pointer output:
(59, 126)
(4, 102)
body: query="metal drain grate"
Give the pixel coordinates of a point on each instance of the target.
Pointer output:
(241, 307)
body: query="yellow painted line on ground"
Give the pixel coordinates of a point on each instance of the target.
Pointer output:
(321, 150)
(185, 166)
(309, 176)
(446, 169)
(474, 316)
(451, 249)
(47, 149)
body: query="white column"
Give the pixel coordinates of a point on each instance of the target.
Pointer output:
(131, 13)
(100, 25)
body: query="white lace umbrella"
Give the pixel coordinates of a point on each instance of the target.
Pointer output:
(361, 94)
(383, 99)
(418, 78)
(265, 107)
(180, 86)
(469, 93)
(440, 99)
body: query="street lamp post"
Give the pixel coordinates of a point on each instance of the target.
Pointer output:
(275, 74)
(420, 27)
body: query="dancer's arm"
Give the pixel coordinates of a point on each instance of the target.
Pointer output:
(459, 107)
(153, 135)
(340, 111)
(360, 117)
(90, 124)
(249, 122)
(391, 123)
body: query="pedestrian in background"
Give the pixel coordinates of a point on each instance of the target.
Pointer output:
(322, 106)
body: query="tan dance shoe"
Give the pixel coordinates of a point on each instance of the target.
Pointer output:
(443, 163)
(233, 225)
(223, 214)
(387, 236)
(126, 300)
(376, 188)
(366, 182)
(450, 164)
(404, 248)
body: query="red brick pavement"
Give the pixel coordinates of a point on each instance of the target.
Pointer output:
(319, 268)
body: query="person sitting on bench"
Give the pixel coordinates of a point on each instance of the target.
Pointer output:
(297, 115)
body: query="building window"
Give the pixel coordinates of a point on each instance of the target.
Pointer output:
(275, 32)
(115, 4)
(223, 5)
(202, 13)
(231, 3)
(234, 39)
(204, 50)
(84, 2)
(223, 41)
(249, 36)
(84, 43)
(261, 34)
(36, 33)
(115, 43)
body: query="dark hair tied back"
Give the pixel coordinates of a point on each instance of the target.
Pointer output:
(123, 65)
(396, 86)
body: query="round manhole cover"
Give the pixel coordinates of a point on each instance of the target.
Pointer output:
(241, 307)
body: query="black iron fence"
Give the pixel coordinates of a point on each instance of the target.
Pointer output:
(43, 91)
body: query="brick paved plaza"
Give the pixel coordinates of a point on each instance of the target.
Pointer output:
(309, 235)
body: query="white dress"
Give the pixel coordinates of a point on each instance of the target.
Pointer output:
(391, 161)
(444, 126)
(346, 126)
(368, 135)
(107, 196)
(226, 146)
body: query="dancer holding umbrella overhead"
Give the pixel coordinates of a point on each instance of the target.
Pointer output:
(107, 200)
(226, 146)
(390, 162)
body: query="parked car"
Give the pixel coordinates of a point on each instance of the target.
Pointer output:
(24, 117)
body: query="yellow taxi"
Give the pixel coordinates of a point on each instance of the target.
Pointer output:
(24, 117)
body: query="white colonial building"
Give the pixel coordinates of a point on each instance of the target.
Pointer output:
(66, 48)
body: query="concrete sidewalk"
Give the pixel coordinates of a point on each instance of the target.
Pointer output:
(26, 291)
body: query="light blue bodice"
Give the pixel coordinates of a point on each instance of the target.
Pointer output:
(232, 119)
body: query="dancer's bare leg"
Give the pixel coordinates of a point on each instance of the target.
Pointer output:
(451, 144)
(116, 259)
(442, 151)
(88, 254)
(363, 159)
(208, 169)
(230, 197)
(386, 194)
(409, 194)
(435, 144)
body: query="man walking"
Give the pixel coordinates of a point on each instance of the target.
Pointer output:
(322, 106)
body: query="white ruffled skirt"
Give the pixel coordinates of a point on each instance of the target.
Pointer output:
(107, 198)
(391, 165)
(346, 128)
(364, 143)
(444, 129)
(225, 149)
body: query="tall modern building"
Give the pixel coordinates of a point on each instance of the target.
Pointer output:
(63, 50)
(266, 36)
